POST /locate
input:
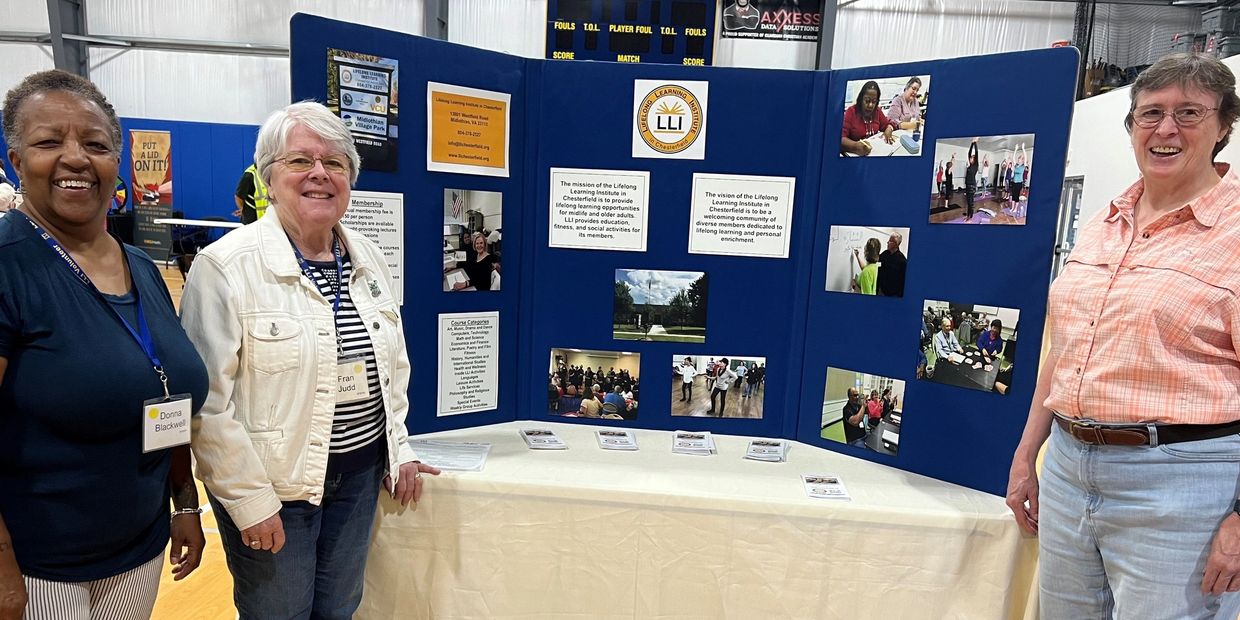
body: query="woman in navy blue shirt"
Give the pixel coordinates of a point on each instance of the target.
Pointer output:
(97, 379)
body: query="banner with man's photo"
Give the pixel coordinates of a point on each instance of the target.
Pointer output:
(778, 20)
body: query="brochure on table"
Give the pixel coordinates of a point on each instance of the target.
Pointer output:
(721, 186)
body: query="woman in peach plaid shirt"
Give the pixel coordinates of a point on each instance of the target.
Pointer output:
(1140, 392)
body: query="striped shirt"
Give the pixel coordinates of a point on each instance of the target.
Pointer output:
(1147, 323)
(358, 424)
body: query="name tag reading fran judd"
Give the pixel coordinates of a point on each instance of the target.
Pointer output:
(351, 384)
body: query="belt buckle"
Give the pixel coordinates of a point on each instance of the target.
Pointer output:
(1086, 431)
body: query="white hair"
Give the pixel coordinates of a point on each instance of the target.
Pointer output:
(314, 116)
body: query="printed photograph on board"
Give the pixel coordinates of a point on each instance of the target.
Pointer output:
(968, 345)
(473, 240)
(885, 116)
(660, 306)
(584, 383)
(863, 410)
(718, 386)
(870, 260)
(981, 180)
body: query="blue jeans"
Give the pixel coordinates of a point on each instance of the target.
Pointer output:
(1124, 532)
(318, 573)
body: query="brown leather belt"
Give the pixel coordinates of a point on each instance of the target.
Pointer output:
(1098, 434)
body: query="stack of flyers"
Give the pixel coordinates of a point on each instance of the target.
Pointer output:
(542, 439)
(824, 486)
(616, 439)
(771, 450)
(696, 443)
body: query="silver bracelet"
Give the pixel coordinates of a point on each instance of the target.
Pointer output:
(186, 511)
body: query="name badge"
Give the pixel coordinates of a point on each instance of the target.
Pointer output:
(165, 422)
(351, 384)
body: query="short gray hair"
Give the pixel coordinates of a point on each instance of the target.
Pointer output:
(314, 116)
(1191, 71)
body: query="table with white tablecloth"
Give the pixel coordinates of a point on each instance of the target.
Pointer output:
(588, 533)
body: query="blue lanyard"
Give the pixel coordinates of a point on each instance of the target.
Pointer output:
(309, 273)
(142, 335)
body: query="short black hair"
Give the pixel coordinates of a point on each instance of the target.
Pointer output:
(48, 81)
(997, 323)
(878, 93)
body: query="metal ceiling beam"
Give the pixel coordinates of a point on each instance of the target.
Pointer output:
(67, 19)
(826, 33)
(435, 19)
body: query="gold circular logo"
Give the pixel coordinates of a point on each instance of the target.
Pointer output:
(669, 119)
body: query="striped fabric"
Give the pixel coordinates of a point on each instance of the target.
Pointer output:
(359, 423)
(1146, 323)
(127, 596)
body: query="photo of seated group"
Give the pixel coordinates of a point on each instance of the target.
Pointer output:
(885, 116)
(660, 306)
(981, 180)
(593, 384)
(870, 260)
(863, 411)
(716, 386)
(471, 240)
(967, 345)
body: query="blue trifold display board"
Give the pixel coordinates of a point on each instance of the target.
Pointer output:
(760, 123)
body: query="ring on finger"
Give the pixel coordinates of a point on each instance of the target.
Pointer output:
(254, 544)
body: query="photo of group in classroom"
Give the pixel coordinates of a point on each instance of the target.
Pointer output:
(593, 384)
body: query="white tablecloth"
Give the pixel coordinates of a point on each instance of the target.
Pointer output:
(586, 533)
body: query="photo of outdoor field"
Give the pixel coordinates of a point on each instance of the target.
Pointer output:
(660, 306)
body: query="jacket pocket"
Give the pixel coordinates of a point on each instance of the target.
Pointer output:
(274, 344)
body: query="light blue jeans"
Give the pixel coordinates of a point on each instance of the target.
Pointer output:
(1124, 532)
(318, 573)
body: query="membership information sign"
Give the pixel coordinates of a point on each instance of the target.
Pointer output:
(381, 217)
(361, 89)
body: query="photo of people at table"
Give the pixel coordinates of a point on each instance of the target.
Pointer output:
(870, 260)
(981, 180)
(863, 410)
(718, 386)
(885, 116)
(660, 306)
(472, 240)
(968, 345)
(593, 384)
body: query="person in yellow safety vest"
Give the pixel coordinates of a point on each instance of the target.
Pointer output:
(251, 196)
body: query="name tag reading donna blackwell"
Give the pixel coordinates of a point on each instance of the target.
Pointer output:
(165, 422)
(351, 384)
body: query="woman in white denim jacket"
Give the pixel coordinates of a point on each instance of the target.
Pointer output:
(295, 319)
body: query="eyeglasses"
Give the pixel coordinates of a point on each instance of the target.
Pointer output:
(301, 162)
(1184, 116)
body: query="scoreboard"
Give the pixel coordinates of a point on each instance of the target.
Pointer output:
(659, 31)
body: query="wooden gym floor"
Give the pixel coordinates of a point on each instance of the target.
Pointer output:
(207, 593)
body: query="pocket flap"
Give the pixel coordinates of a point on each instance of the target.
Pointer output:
(264, 436)
(275, 328)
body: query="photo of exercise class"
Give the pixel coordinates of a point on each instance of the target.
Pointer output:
(968, 345)
(981, 180)
(885, 116)
(660, 306)
(472, 236)
(593, 384)
(870, 260)
(718, 386)
(863, 410)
